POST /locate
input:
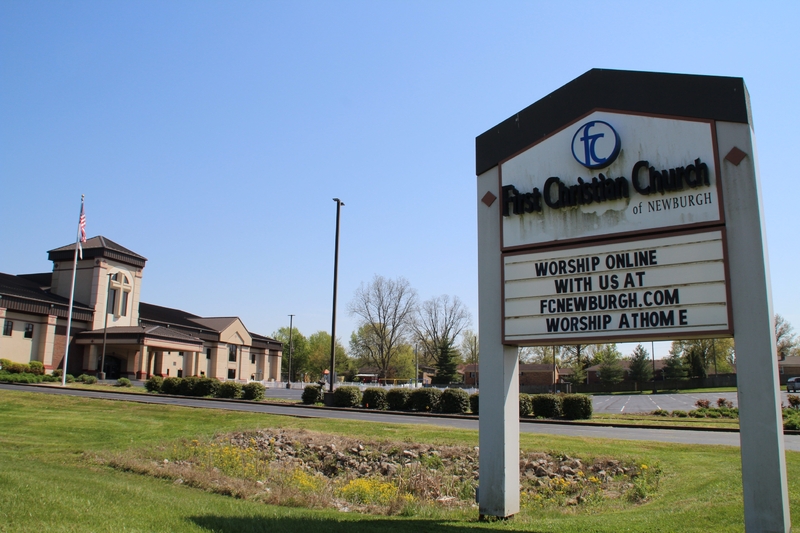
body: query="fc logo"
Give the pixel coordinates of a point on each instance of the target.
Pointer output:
(595, 144)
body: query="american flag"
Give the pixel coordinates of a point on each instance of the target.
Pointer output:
(82, 230)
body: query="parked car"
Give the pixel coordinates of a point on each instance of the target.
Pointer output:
(793, 384)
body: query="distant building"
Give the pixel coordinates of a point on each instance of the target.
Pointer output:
(141, 339)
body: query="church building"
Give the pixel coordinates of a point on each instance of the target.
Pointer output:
(140, 339)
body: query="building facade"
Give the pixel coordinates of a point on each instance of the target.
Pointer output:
(111, 325)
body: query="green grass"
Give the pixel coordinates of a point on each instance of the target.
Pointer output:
(49, 482)
(652, 420)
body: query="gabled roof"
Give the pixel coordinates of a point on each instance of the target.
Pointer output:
(216, 323)
(98, 247)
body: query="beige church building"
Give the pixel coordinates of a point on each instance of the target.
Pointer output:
(141, 339)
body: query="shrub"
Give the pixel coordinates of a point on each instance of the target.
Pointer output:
(702, 404)
(25, 377)
(36, 368)
(70, 378)
(576, 406)
(312, 394)
(206, 387)
(722, 402)
(49, 378)
(82, 377)
(186, 386)
(5, 364)
(253, 391)
(794, 401)
(660, 412)
(525, 405)
(170, 385)
(680, 414)
(121, 382)
(375, 398)
(89, 380)
(474, 403)
(713, 414)
(697, 413)
(454, 401)
(397, 399)
(15, 368)
(58, 372)
(546, 405)
(153, 384)
(347, 396)
(425, 399)
(792, 422)
(229, 389)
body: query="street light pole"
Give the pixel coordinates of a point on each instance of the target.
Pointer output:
(289, 377)
(339, 205)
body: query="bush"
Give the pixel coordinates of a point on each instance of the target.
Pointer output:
(454, 401)
(49, 379)
(702, 404)
(474, 403)
(70, 378)
(15, 368)
(26, 377)
(661, 412)
(229, 389)
(397, 399)
(425, 399)
(792, 422)
(722, 402)
(207, 387)
(697, 413)
(375, 398)
(525, 405)
(714, 414)
(121, 382)
(153, 384)
(680, 414)
(347, 396)
(186, 386)
(253, 391)
(89, 380)
(546, 405)
(58, 372)
(170, 385)
(576, 406)
(36, 368)
(312, 394)
(82, 377)
(794, 401)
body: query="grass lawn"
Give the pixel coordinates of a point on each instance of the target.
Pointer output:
(49, 482)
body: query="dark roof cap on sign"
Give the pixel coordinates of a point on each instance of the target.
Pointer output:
(679, 95)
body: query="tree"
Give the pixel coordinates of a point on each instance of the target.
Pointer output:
(785, 339)
(386, 309)
(540, 355)
(674, 367)
(319, 356)
(437, 322)
(610, 370)
(703, 355)
(446, 365)
(299, 351)
(470, 347)
(640, 368)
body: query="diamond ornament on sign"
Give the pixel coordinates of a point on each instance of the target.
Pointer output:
(488, 199)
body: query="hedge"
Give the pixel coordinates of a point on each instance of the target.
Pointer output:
(170, 385)
(398, 399)
(347, 396)
(525, 404)
(546, 405)
(312, 394)
(474, 403)
(153, 384)
(425, 399)
(454, 401)
(576, 406)
(375, 398)
(253, 391)
(229, 389)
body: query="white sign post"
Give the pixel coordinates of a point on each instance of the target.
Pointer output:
(620, 208)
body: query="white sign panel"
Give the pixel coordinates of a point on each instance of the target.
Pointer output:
(607, 174)
(662, 288)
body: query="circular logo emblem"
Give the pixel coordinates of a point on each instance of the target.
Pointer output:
(595, 144)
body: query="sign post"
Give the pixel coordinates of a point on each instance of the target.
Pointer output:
(625, 206)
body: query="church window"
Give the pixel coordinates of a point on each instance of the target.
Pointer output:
(232, 353)
(231, 373)
(28, 331)
(118, 294)
(7, 328)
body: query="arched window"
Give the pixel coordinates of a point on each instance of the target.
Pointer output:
(118, 293)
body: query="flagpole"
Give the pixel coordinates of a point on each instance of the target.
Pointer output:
(79, 238)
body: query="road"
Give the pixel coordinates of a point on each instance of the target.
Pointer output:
(792, 442)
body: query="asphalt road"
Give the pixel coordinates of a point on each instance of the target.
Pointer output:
(792, 442)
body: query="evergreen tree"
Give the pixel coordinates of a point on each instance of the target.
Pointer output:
(674, 367)
(610, 370)
(640, 368)
(446, 364)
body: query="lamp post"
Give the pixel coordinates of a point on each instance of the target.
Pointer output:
(339, 205)
(102, 373)
(289, 377)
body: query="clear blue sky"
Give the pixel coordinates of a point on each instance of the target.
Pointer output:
(211, 136)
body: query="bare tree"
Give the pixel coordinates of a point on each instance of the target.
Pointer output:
(386, 308)
(784, 337)
(470, 347)
(438, 322)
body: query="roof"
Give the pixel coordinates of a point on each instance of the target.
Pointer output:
(21, 294)
(159, 332)
(216, 323)
(678, 95)
(98, 247)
